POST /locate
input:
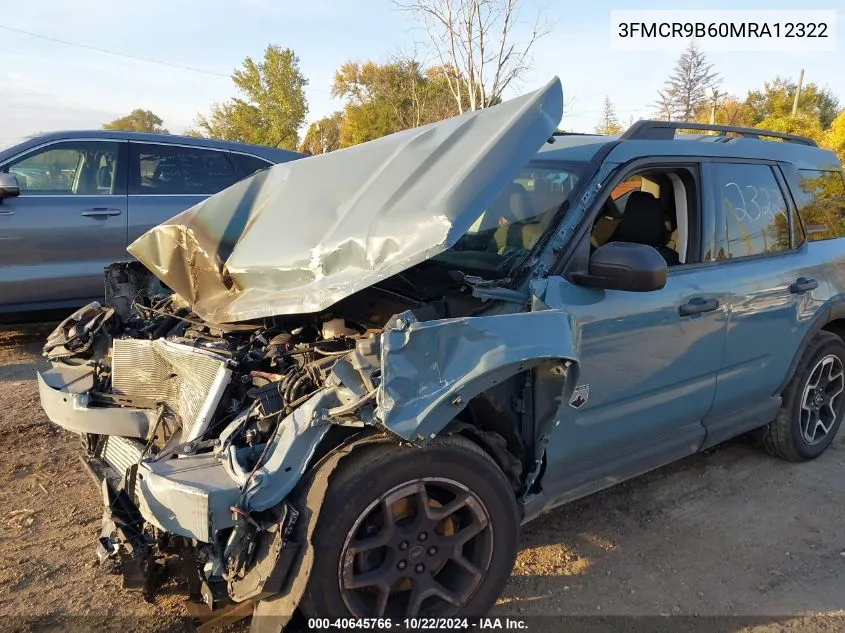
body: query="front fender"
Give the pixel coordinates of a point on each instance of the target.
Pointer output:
(432, 369)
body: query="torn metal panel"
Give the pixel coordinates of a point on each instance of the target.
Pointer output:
(302, 235)
(190, 496)
(432, 369)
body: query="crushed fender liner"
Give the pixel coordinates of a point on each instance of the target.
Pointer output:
(273, 614)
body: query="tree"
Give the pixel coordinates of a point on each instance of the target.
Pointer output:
(729, 111)
(479, 49)
(777, 97)
(384, 98)
(137, 121)
(834, 138)
(323, 136)
(801, 124)
(272, 105)
(608, 124)
(686, 88)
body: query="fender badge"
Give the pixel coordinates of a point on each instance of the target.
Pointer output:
(579, 396)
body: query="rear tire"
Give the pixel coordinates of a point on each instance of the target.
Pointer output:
(387, 543)
(812, 402)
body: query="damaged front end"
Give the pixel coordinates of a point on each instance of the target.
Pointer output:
(203, 410)
(197, 432)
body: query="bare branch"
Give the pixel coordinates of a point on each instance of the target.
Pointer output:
(478, 45)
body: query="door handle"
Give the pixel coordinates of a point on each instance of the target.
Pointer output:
(802, 284)
(697, 305)
(7, 213)
(100, 212)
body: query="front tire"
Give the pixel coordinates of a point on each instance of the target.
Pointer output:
(812, 402)
(409, 532)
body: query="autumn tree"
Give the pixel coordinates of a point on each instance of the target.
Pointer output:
(609, 123)
(138, 120)
(384, 98)
(323, 136)
(834, 138)
(479, 45)
(685, 91)
(801, 124)
(777, 97)
(730, 110)
(271, 105)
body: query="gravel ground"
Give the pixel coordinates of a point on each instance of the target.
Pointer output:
(727, 540)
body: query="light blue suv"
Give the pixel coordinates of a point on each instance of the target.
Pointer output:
(84, 196)
(376, 363)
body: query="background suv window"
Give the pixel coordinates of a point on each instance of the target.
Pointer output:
(248, 165)
(821, 203)
(754, 211)
(85, 168)
(163, 169)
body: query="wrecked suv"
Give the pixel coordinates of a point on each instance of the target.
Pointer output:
(340, 385)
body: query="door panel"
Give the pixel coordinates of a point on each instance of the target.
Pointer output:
(651, 374)
(68, 224)
(775, 291)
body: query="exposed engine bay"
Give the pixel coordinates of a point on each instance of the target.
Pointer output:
(184, 423)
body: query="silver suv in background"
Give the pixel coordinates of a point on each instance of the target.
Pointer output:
(70, 203)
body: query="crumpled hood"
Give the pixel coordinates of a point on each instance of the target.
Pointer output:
(302, 235)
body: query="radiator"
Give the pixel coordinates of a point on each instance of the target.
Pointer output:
(189, 381)
(120, 453)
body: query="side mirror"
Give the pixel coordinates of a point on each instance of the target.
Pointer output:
(625, 266)
(9, 187)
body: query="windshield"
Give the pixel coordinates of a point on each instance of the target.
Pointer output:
(506, 230)
(515, 221)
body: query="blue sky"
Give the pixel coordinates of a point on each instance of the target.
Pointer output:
(47, 85)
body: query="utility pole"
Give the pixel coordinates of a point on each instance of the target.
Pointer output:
(797, 93)
(713, 106)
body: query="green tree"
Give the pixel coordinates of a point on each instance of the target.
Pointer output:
(685, 91)
(609, 123)
(777, 97)
(834, 138)
(323, 135)
(138, 121)
(271, 107)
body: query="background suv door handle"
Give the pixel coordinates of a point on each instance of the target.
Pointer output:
(802, 284)
(100, 212)
(697, 305)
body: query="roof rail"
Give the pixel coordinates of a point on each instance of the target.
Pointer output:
(665, 131)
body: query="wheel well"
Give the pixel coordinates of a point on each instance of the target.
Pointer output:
(837, 326)
(494, 428)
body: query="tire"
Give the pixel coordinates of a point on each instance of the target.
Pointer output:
(353, 512)
(795, 435)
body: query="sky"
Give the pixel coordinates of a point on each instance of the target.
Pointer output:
(46, 85)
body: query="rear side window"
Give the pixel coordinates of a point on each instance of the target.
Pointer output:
(168, 169)
(751, 211)
(248, 165)
(821, 203)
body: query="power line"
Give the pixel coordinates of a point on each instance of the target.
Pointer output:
(111, 52)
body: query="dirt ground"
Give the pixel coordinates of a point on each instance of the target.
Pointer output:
(738, 539)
